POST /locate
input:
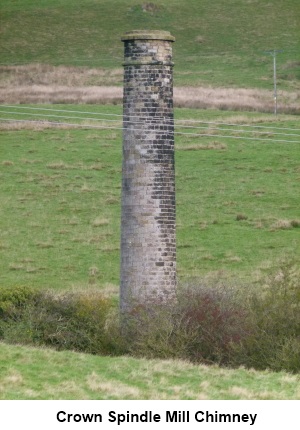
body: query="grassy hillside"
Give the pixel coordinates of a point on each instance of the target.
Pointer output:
(30, 373)
(219, 43)
(237, 199)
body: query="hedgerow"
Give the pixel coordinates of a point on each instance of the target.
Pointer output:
(212, 324)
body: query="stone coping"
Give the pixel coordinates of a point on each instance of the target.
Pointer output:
(148, 35)
(147, 63)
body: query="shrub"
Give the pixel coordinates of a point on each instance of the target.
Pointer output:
(150, 332)
(76, 321)
(200, 327)
(215, 320)
(287, 356)
(79, 321)
(258, 328)
(13, 301)
(274, 316)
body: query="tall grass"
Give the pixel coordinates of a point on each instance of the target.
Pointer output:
(184, 97)
(236, 99)
(40, 83)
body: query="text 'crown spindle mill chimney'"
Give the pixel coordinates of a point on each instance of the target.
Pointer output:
(148, 237)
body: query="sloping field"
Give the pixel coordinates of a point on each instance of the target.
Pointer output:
(219, 43)
(31, 373)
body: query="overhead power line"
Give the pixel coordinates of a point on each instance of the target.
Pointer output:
(211, 127)
(162, 132)
(178, 121)
(239, 125)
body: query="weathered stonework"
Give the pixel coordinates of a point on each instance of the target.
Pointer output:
(148, 238)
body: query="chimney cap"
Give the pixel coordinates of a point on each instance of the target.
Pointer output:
(148, 35)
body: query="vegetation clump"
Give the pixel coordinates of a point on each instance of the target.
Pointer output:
(75, 321)
(208, 324)
(274, 318)
(14, 300)
(200, 327)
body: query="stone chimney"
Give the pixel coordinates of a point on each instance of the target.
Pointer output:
(148, 237)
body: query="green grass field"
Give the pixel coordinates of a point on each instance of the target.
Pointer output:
(237, 200)
(218, 43)
(69, 375)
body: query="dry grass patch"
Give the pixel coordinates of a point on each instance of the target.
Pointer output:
(257, 193)
(110, 290)
(73, 221)
(16, 266)
(110, 248)
(87, 189)
(208, 257)
(203, 225)
(31, 393)
(233, 259)
(56, 392)
(14, 377)
(48, 75)
(96, 166)
(259, 225)
(59, 165)
(241, 99)
(97, 239)
(26, 161)
(112, 200)
(97, 383)
(241, 392)
(289, 379)
(44, 245)
(246, 394)
(285, 224)
(60, 94)
(100, 222)
(200, 146)
(199, 39)
(37, 83)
